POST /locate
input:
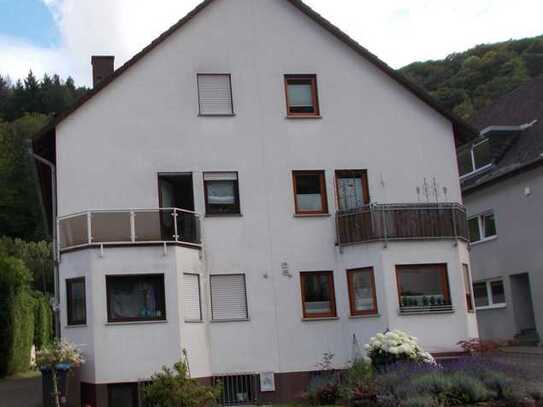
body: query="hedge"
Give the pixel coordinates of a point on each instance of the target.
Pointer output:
(43, 322)
(25, 317)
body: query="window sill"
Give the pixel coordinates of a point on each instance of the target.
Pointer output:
(312, 215)
(365, 316)
(426, 312)
(485, 240)
(76, 326)
(489, 307)
(223, 215)
(320, 319)
(217, 115)
(136, 323)
(222, 321)
(303, 117)
(201, 321)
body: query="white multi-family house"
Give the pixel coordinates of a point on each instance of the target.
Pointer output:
(258, 189)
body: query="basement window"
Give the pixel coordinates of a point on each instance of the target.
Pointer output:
(136, 298)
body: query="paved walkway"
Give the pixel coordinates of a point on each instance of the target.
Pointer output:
(21, 393)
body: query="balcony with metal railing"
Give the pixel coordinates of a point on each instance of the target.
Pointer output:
(392, 222)
(129, 227)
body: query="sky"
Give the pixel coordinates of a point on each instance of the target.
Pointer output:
(59, 36)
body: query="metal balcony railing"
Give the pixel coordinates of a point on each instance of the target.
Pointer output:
(129, 227)
(387, 222)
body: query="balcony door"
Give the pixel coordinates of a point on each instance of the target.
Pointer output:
(352, 189)
(175, 190)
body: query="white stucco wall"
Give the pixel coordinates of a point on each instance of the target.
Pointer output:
(110, 151)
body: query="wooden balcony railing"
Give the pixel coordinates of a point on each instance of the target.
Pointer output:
(386, 222)
(129, 227)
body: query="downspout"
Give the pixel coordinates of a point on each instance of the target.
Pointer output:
(54, 246)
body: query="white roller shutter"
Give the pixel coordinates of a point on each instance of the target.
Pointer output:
(191, 298)
(215, 94)
(228, 297)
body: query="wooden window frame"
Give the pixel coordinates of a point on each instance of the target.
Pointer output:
(324, 196)
(162, 302)
(244, 292)
(314, 91)
(445, 286)
(333, 312)
(70, 321)
(350, 273)
(236, 210)
(362, 174)
(198, 75)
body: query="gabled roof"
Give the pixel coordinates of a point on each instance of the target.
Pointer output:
(516, 128)
(463, 131)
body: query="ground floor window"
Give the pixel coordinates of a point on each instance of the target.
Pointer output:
(136, 298)
(363, 299)
(468, 287)
(423, 287)
(318, 297)
(489, 294)
(228, 297)
(75, 301)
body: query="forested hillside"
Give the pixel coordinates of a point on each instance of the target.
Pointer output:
(467, 82)
(24, 108)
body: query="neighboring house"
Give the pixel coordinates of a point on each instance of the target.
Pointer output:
(502, 183)
(317, 197)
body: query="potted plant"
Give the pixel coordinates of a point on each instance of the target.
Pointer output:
(55, 363)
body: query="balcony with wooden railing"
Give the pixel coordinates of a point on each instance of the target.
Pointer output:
(393, 222)
(129, 227)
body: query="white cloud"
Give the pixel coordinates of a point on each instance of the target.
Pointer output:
(398, 31)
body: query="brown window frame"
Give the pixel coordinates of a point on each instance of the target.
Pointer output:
(162, 302)
(236, 208)
(445, 286)
(362, 174)
(314, 90)
(333, 312)
(70, 321)
(354, 312)
(324, 196)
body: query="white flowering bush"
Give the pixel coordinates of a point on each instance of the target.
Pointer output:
(395, 346)
(61, 352)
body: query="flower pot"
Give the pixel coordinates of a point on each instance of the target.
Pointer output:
(48, 396)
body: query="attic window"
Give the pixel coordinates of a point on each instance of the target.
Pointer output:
(302, 97)
(215, 95)
(475, 158)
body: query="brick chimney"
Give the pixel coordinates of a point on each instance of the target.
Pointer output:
(102, 67)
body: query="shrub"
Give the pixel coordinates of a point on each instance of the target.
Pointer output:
(358, 385)
(43, 322)
(323, 389)
(395, 346)
(16, 316)
(466, 390)
(174, 388)
(420, 401)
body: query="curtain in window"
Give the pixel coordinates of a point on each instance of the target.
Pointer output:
(134, 299)
(351, 194)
